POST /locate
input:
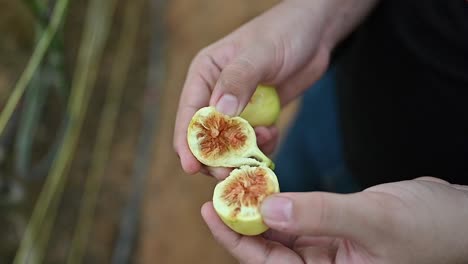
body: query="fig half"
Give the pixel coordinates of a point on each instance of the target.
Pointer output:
(237, 199)
(218, 140)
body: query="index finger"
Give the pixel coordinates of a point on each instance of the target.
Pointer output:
(195, 95)
(201, 79)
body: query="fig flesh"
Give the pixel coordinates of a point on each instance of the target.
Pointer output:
(218, 140)
(237, 199)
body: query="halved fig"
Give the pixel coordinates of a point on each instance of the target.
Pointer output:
(237, 199)
(218, 140)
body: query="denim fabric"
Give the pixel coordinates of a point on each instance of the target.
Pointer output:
(310, 157)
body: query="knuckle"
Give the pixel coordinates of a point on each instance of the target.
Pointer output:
(238, 74)
(244, 66)
(323, 214)
(311, 216)
(202, 53)
(203, 57)
(391, 217)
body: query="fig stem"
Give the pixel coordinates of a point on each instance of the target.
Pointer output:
(262, 158)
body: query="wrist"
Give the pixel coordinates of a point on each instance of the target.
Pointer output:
(343, 18)
(337, 18)
(314, 27)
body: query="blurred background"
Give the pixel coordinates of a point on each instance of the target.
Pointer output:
(88, 92)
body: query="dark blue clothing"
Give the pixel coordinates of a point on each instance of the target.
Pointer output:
(394, 106)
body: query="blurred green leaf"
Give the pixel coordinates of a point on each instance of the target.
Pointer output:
(49, 74)
(106, 129)
(30, 116)
(33, 63)
(39, 10)
(96, 29)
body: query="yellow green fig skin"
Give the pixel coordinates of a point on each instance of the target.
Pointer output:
(264, 107)
(246, 228)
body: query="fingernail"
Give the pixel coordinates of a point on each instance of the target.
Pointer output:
(228, 105)
(277, 209)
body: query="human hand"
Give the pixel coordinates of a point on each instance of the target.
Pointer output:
(280, 47)
(419, 221)
(288, 47)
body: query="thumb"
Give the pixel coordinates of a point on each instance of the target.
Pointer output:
(239, 79)
(357, 216)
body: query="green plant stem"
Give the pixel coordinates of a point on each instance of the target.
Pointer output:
(38, 249)
(39, 10)
(34, 101)
(98, 22)
(33, 63)
(106, 129)
(50, 73)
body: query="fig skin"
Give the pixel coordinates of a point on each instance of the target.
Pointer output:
(237, 199)
(218, 140)
(263, 108)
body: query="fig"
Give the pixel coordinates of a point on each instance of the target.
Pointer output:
(263, 108)
(218, 140)
(237, 199)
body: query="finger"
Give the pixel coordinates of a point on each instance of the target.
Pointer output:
(358, 216)
(437, 180)
(432, 179)
(246, 249)
(216, 172)
(189, 163)
(297, 83)
(219, 172)
(204, 170)
(187, 109)
(269, 143)
(265, 134)
(287, 240)
(239, 79)
(196, 93)
(460, 187)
